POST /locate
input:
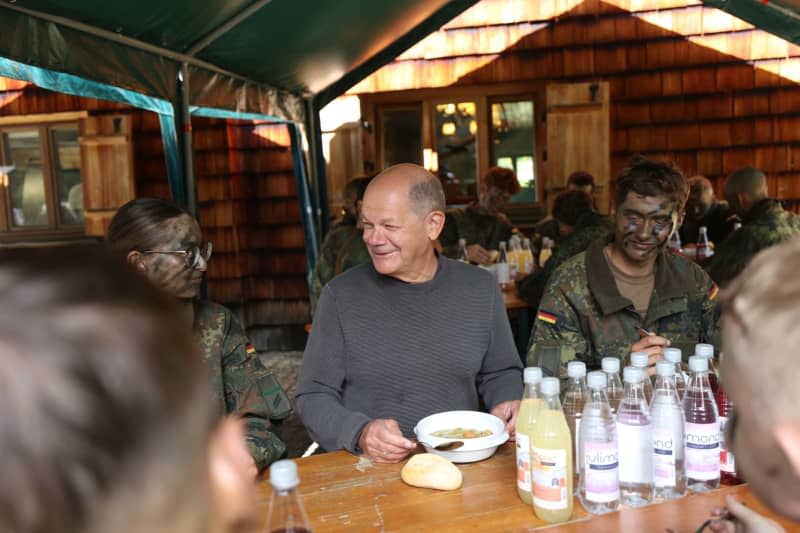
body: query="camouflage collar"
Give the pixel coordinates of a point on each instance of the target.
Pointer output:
(667, 284)
(763, 210)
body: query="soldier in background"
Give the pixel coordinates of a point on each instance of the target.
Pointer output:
(578, 224)
(627, 292)
(481, 223)
(164, 243)
(703, 209)
(344, 246)
(548, 226)
(764, 223)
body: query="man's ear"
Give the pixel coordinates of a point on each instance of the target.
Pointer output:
(230, 467)
(434, 223)
(136, 259)
(787, 435)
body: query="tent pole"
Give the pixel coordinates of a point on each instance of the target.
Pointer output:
(320, 174)
(186, 142)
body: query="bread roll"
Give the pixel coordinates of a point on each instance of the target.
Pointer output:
(431, 471)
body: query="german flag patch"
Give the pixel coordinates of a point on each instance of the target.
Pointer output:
(550, 318)
(712, 294)
(249, 348)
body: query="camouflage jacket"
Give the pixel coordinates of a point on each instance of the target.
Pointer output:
(238, 379)
(342, 249)
(590, 227)
(766, 224)
(474, 226)
(719, 220)
(583, 316)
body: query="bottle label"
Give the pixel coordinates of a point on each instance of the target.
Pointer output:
(503, 275)
(664, 457)
(523, 462)
(601, 472)
(726, 461)
(550, 478)
(635, 453)
(702, 451)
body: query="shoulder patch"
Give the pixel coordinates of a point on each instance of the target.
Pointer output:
(712, 293)
(550, 318)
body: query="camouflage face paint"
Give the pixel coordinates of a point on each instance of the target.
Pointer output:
(169, 271)
(643, 226)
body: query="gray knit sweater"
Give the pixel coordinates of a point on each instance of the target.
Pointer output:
(384, 348)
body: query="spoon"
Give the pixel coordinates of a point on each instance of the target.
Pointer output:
(445, 446)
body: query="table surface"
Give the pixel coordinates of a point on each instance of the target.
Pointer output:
(512, 298)
(342, 492)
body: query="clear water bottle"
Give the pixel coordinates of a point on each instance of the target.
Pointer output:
(614, 383)
(707, 351)
(635, 436)
(503, 272)
(704, 249)
(674, 356)
(727, 462)
(574, 401)
(599, 479)
(701, 428)
(546, 251)
(527, 256)
(462, 251)
(675, 243)
(642, 361)
(667, 419)
(286, 513)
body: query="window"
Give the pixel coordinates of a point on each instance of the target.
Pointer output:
(513, 144)
(455, 134)
(40, 176)
(402, 135)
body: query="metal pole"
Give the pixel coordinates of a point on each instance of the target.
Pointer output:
(186, 138)
(320, 174)
(225, 27)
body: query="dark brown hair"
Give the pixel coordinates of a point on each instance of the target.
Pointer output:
(136, 225)
(504, 179)
(652, 178)
(581, 179)
(569, 206)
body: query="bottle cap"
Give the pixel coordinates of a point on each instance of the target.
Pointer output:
(673, 355)
(665, 368)
(550, 386)
(632, 374)
(705, 350)
(532, 375)
(597, 379)
(462, 242)
(526, 241)
(283, 475)
(576, 369)
(610, 364)
(639, 359)
(698, 363)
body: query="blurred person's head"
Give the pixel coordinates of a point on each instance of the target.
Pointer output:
(569, 207)
(354, 195)
(760, 374)
(164, 242)
(745, 188)
(581, 181)
(701, 198)
(106, 420)
(402, 215)
(649, 201)
(497, 186)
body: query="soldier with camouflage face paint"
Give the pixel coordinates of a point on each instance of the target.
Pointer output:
(598, 302)
(165, 244)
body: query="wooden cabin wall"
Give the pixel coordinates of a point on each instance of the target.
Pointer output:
(688, 82)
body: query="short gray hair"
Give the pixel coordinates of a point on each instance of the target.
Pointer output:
(426, 196)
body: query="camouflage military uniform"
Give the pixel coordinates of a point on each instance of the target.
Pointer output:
(766, 224)
(238, 378)
(343, 249)
(719, 220)
(583, 316)
(590, 227)
(474, 226)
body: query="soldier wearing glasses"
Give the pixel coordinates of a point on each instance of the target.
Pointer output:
(165, 244)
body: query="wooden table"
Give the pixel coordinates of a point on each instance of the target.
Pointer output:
(341, 493)
(520, 307)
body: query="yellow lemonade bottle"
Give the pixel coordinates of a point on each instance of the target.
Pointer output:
(552, 457)
(526, 421)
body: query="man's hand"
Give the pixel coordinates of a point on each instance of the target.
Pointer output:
(740, 519)
(478, 254)
(653, 346)
(383, 442)
(507, 412)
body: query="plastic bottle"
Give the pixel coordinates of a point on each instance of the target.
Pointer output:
(526, 421)
(503, 273)
(599, 476)
(701, 428)
(514, 249)
(574, 401)
(667, 419)
(552, 458)
(635, 435)
(674, 356)
(462, 251)
(727, 463)
(286, 513)
(642, 361)
(704, 249)
(707, 351)
(527, 256)
(614, 384)
(546, 251)
(675, 243)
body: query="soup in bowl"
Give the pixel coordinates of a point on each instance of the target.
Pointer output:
(481, 433)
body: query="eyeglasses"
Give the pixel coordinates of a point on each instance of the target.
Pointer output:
(191, 256)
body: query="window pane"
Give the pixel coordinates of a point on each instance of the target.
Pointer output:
(25, 178)
(456, 128)
(513, 144)
(402, 136)
(67, 159)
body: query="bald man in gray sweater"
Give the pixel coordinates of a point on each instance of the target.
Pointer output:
(410, 334)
